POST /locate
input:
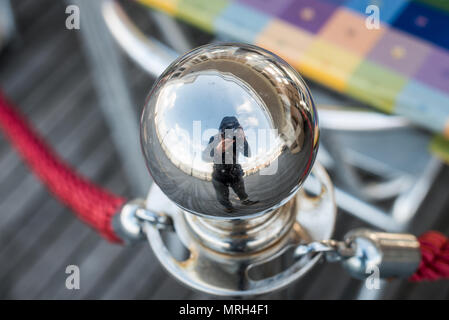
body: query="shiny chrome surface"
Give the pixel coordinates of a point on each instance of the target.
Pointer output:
(246, 235)
(153, 56)
(7, 23)
(126, 224)
(333, 250)
(229, 131)
(396, 255)
(357, 119)
(250, 268)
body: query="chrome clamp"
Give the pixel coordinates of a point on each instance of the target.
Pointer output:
(128, 224)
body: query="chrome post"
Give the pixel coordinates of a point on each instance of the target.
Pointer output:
(235, 205)
(230, 134)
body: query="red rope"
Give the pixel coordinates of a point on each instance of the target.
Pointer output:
(92, 204)
(435, 257)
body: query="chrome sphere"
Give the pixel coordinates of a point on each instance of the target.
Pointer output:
(229, 131)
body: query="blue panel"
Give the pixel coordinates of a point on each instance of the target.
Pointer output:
(388, 9)
(425, 22)
(241, 23)
(423, 104)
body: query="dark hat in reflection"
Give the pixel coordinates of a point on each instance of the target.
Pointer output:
(229, 123)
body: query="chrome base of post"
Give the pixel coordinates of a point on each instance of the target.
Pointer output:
(248, 256)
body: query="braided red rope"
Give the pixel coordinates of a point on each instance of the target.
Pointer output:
(435, 257)
(92, 204)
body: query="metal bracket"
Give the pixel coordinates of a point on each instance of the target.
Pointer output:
(333, 250)
(244, 273)
(128, 224)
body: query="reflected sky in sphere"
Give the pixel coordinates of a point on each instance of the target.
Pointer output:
(223, 95)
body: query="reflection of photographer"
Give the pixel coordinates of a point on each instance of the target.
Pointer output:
(224, 148)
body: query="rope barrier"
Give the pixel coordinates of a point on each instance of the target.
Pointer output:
(434, 263)
(91, 203)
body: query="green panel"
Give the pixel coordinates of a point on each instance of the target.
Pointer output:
(440, 4)
(201, 13)
(440, 147)
(376, 85)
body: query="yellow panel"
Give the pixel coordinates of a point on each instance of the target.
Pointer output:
(169, 6)
(328, 64)
(285, 40)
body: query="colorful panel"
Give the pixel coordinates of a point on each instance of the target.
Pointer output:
(388, 9)
(376, 85)
(348, 30)
(434, 71)
(241, 23)
(425, 22)
(336, 2)
(329, 64)
(271, 7)
(400, 52)
(424, 105)
(438, 4)
(440, 147)
(282, 38)
(201, 13)
(309, 15)
(169, 6)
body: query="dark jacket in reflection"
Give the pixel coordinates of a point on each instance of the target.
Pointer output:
(224, 149)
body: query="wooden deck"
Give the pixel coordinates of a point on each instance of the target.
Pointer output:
(45, 73)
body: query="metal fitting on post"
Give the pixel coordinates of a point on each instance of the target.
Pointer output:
(395, 255)
(128, 223)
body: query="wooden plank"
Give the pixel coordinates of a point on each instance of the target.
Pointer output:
(23, 261)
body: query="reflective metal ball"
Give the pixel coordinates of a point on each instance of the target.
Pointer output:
(229, 131)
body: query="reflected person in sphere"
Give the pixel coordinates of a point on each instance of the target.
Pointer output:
(224, 149)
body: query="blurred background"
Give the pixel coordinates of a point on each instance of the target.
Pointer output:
(83, 88)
